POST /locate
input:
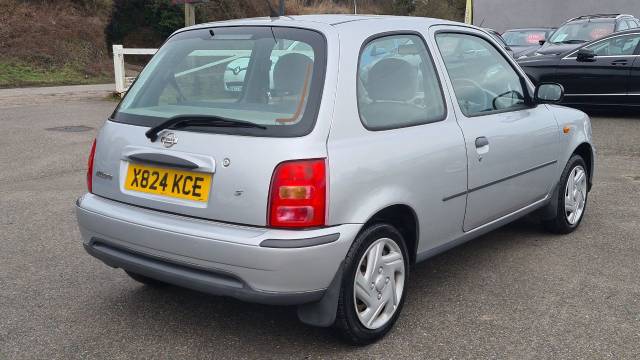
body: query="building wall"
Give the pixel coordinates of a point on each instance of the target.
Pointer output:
(509, 14)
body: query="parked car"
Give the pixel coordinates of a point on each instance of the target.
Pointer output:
(602, 72)
(525, 41)
(237, 69)
(496, 35)
(327, 191)
(583, 29)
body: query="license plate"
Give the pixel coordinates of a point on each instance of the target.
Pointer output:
(181, 184)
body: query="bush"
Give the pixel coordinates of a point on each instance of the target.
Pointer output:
(157, 19)
(442, 9)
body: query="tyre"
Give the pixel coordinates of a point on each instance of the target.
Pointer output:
(572, 197)
(145, 280)
(372, 292)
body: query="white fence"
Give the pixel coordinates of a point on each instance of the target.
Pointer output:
(122, 81)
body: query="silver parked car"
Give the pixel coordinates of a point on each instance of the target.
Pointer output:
(329, 174)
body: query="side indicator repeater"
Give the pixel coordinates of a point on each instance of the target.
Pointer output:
(566, 129)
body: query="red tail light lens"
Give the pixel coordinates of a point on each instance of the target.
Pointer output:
(298, 194)
(92, 154)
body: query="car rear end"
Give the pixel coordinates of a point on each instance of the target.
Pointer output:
(216, 188)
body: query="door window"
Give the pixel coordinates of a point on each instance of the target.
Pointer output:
(397, 84)
(617, 46)
(483, 80)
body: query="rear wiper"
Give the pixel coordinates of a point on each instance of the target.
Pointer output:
(181, 121)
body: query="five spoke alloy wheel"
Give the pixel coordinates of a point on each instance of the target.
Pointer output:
(379, 283)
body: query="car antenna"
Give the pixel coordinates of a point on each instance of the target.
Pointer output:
(272, 12)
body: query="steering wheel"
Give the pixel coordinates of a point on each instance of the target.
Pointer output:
(472, 92)
(510, 92)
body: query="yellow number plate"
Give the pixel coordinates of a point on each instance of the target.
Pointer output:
(168, 182)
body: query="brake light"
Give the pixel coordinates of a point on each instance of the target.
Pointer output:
(92, 154)
(298, 194)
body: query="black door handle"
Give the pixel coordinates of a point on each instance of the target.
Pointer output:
(619, 62)
(482, 141)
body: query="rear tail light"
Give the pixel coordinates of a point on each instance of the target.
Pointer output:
(298, 194)
(92, 154)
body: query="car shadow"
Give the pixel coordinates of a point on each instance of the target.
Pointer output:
(183, 312)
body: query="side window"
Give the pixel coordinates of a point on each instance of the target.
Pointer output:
(617, 46)
(483, 80)
(397, 84)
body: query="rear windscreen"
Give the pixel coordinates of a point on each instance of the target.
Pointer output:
(582, 31)
(271, 76)
(524, 37)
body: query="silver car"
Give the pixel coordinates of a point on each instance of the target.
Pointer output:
(333, 171)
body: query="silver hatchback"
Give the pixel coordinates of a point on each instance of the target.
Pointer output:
(340, 152)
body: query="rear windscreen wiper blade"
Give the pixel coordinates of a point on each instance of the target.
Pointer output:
(181, 121)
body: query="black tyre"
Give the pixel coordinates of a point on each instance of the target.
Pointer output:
(572, 197)
(145, 280)
(372, 293)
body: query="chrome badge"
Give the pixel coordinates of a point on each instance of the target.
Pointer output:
(168, 139)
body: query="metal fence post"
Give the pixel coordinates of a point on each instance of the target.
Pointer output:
(118, 68)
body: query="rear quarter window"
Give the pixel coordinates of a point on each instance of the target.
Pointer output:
(397, 84)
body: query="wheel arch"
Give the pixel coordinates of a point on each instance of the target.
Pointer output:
(404, 218)
(585, 150)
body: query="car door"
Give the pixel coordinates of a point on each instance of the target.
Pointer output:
(633, 97)
(511, 145)
(604, 79)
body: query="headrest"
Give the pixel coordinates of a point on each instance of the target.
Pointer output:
(290, 72)
(392, 79)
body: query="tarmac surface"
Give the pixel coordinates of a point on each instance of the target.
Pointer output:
(516, 293)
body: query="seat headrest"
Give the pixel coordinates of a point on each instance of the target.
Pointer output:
(392, 79)
(289, 73)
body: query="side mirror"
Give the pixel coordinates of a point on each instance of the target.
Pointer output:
(585, 55)
(549, 93)
(542, 42)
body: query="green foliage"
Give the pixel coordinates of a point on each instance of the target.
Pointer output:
(130, 16)
(17, 74)
(442, 9)
(403, 7)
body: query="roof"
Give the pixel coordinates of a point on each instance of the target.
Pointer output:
(600, 16)
(330, 19)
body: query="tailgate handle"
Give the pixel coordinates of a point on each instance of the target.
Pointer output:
(163, 159)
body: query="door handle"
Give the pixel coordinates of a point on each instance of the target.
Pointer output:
(481, 142)
(619, 62)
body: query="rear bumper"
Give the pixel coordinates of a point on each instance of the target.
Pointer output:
(261, 265)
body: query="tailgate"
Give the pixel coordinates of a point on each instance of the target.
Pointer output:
(210, 176)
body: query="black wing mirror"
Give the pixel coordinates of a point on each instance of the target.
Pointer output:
(586, 55)
(549, 93)
(542, 42)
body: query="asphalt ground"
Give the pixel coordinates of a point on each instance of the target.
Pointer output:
(516, 293)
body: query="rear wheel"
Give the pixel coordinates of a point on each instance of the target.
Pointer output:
(371, 296)
(572, 197)
(145, 280)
